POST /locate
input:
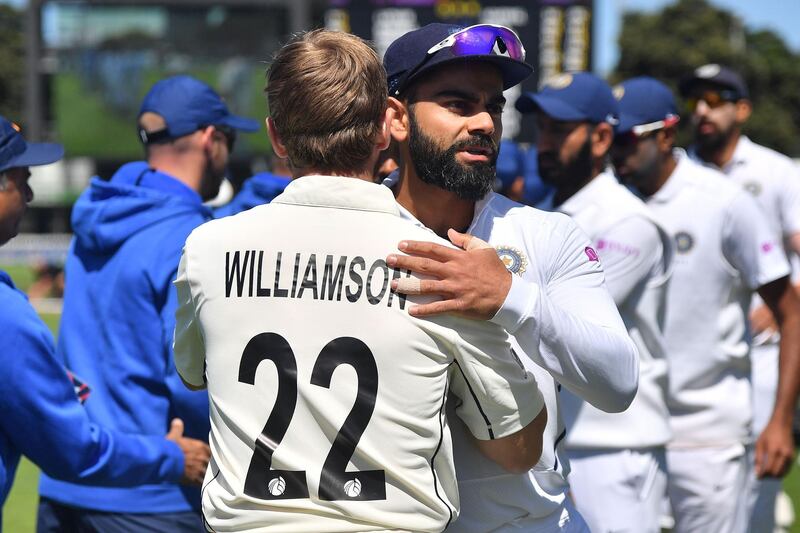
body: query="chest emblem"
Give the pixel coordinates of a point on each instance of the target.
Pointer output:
(684, 242)
(753, 187)
(513, 258)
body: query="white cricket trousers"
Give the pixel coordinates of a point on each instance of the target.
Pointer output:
(708, 488)
(619, 490)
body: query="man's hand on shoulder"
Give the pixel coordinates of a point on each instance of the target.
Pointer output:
(196, 454)
(472, 281)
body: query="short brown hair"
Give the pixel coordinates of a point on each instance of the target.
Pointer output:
(327, 96)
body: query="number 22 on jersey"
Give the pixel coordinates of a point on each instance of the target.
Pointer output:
(336, 483)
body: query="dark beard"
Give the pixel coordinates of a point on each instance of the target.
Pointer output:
(567, 178)
(440, 167)
(710, 143)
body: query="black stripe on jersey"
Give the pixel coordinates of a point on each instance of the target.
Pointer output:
(555, 447)
(474, 397)
(438, 447)
(202, 513)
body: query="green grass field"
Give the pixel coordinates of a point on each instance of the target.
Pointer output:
(19, 512)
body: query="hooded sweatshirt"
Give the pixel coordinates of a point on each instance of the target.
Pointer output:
(43, 419)
(258, 190)
(118, 321)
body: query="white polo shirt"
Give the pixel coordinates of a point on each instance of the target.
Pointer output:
(327, 398)
(724, 250)
(636, 254)
(564, 321)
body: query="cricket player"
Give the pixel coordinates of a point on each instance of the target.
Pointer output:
(119, 304)
(618, 473)
(725, 251)
(720, 105)
(327, 397)
(541, 279)
(42, 416)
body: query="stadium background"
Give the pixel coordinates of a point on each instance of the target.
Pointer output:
(75, 72)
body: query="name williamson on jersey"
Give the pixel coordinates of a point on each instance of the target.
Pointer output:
(248, 275)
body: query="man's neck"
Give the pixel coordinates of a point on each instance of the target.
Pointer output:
(666, 169)
(362, 174)
(435, 207)
(186, 173)
(723, 155)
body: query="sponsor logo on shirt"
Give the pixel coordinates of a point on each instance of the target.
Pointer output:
(616, 246)
(767, 247)
(513, 258)
(684, 242)
(591, 254)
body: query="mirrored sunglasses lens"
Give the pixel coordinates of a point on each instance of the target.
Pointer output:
(481, 41)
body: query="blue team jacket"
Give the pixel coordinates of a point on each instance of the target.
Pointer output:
(42, 418)
(260, 189)
(118, 321)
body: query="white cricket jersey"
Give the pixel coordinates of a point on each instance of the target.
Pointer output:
(774, 181)
(563, 320)
(636, 255)
(724, 250)
(342, 428)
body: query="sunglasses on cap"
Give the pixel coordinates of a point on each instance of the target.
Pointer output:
(477, 40)
(643, 131)
(712, 98)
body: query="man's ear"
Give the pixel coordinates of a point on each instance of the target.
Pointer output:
(384, 137)
(275, 138)
(602, 137)
(743, 110)
(399, 123)
(666, 139)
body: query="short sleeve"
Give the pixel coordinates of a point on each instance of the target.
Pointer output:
(498, 396)
(748, 244)
(189, 348)
(790, 200)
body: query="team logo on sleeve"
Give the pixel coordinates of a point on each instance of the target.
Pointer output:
(683, 242)
(514, 260)
(753, 187)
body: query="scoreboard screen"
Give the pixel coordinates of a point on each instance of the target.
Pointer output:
(557, 34)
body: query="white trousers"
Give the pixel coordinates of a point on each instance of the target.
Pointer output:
(708, 488)
(619, 490)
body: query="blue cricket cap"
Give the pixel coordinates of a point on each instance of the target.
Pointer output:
(407, 58)
(16, 152)
(188, 104)
(575, 96)
(644, 101)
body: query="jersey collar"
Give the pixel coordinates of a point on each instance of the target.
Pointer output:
(740, 155)
(339, 192)
(589, 193)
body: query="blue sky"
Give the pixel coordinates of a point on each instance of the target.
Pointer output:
(782, 16)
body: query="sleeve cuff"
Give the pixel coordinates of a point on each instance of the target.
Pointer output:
(515, 309)
(176, 462)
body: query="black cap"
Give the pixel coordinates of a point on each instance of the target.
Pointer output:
(714, 74)
(405, 59)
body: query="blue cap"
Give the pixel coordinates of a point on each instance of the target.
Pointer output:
(576, 96)
(187, 104)
(409, 52)
(644, 101)
(714, 74)
(16, 152)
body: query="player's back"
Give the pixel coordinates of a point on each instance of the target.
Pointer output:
(342, 427)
